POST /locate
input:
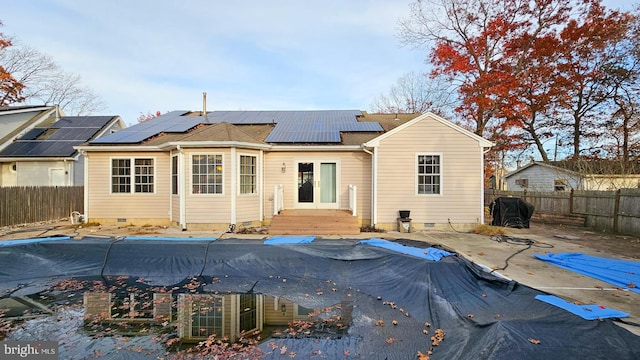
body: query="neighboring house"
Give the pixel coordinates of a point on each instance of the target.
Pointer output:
(15, 121)
(242, 167)
(44, 155)
(574, 175)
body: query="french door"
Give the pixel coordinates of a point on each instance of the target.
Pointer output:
(317, 183)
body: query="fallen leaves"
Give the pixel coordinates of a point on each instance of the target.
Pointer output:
(438, 337)
(534, 341)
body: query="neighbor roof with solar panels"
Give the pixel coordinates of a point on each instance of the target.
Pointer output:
(316, 126)
(59, 138)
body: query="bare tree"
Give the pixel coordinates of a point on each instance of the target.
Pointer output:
(417, 93)
(46, 83)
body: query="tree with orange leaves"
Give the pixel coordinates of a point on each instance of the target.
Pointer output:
(526, 71)
(10, 88)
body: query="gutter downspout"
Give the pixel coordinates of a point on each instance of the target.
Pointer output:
(86, 186)
(182, 188)
(374, 184)
(233, 187)
(482, 184)
(261, 186)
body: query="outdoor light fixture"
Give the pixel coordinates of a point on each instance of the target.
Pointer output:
(284, 168)
(283, 308)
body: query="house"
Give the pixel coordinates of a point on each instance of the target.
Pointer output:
(199, 316)
(15, 121)
(241, 168)
(43, 154)
(569, 175)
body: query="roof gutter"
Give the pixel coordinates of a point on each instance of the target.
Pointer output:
(191, 144)
(316, 148)
(88, 148)
(14, 159)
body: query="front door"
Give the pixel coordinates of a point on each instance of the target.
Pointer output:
(317, 185)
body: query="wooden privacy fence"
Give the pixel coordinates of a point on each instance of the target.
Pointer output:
(615, 211)
(28, 204)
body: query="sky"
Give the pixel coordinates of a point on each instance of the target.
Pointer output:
(144, 56)
(159, 55)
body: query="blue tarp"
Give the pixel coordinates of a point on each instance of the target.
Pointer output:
(589, 312)
(285, 240)
(159, 238)
(33, 240)
(428, 253)
(621, 273)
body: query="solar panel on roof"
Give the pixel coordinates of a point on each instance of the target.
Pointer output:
(82, 121)
(40, 149)
(319, 126)
(73, 134)
(33, 134)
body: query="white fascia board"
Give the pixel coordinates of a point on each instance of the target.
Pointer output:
(188, 144)
(19, 159)
(117, 148)
(31, 109)
(481, 141)
(302, 148)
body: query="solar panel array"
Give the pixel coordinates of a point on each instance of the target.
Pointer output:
(320, 126)
(59, 139)
(167, 123)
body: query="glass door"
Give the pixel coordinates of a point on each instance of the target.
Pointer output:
(317, 185)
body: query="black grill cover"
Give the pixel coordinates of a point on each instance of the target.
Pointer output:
(511, 212)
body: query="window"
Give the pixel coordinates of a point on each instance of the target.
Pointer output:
(429, 174)
(121, 175)
(207, 174)
(122, 179)
(248, 174)
(144, 175)
(174, 175)
(248, 312)
(559, 185)
(206, 317)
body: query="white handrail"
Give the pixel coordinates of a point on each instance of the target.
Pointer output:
(353, 199)
(278, 199)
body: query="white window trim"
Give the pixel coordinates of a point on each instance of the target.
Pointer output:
(171, 175)
(132, 175)
(254, 194)
(416, 173)
(224, 169)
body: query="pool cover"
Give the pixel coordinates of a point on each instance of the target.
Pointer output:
(394, 306)
(622, 273)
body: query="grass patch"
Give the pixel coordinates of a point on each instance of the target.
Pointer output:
(488, 230)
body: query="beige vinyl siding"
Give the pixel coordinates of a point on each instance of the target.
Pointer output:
(248, 205)
(461, 166)
(354, 167)
(273, 313)
(132, 208)
(212, 209)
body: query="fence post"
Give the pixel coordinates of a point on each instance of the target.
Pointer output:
(524, 195)
(571, 202)
(616, 210)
